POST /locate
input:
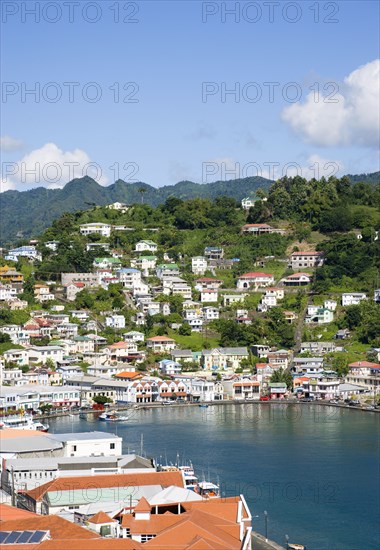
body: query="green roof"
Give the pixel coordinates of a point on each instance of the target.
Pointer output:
(277, 384)
(110, 260)
(168, 266)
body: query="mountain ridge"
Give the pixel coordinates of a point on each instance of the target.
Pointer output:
(27, 213)
(24, 213)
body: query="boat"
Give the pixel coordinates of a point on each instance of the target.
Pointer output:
(296, 546)
(208, 490)
(203, 405)
(112, 416)
(23, 423)
(191, 480)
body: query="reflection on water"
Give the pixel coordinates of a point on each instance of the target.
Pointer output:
(314, 469)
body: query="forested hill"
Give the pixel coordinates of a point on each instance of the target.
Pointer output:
(28, 213)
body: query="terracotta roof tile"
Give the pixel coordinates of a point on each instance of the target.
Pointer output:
(8, 512)
(143, 505)
(101, 517)
(59, 528)
(164, 479)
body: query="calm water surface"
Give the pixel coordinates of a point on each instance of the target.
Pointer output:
(315, 470)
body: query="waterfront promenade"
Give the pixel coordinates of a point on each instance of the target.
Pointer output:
(259, 543)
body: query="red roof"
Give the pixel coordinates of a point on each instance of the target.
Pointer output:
(299, 275)
(160, 339)
(101, 517)
(207, 291)
(143, 505)
(365, 364)
(255, 274)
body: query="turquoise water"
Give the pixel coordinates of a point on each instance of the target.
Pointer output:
(315, 470)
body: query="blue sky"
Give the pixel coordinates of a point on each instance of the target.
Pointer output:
(323, 116)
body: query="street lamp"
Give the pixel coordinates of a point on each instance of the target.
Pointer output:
(266, 525)
(287, 541)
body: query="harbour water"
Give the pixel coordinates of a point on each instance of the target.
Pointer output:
(313, 469)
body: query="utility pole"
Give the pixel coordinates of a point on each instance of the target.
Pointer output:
(13, 492)
(266, 525)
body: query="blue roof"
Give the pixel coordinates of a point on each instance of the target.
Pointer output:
(128, 270)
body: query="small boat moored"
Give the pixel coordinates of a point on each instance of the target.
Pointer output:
(112, 416)
(208, 490)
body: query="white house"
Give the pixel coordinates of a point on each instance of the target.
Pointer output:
(199, 265)
(208, 295)
(159, 344)
(115, 321)
(129, 276)
(7, 292)
(330, 304)
(169, 367)
(134, 336)
(247, 203)
(146, 246)
(353, 298)
(277, 292)
(29, 252)
(97, 228)
(254, 280)
(145, 263)
(202, 390)
(210, 313)
(164, 270)
(39, 354)
(120, 206)
(297, 279)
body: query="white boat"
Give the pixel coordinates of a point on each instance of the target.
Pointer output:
(191, 480)
(23, 423)
(208, 490)
(112, 416)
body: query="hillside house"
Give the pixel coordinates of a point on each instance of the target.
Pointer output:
(198, 265)
(213, 253)
(96, 228)
(352, 298)
(146, 246)
(160, 344)
(208, 295)
(254, 280)
(260, 229)
(297, 279)
(308, 259)
(223, 358)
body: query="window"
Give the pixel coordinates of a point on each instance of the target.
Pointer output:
(112, 445)
(145, 538)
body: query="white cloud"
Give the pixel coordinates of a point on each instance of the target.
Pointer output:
(49, 167)
(8, 143)
(348, 117)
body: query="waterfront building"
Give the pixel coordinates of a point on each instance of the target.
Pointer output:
(365, 374)
(86, 494)
(29, 473)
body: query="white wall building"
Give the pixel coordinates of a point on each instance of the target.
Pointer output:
(115, 321)
(199, 265)
(353, 298)
(103, 229)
